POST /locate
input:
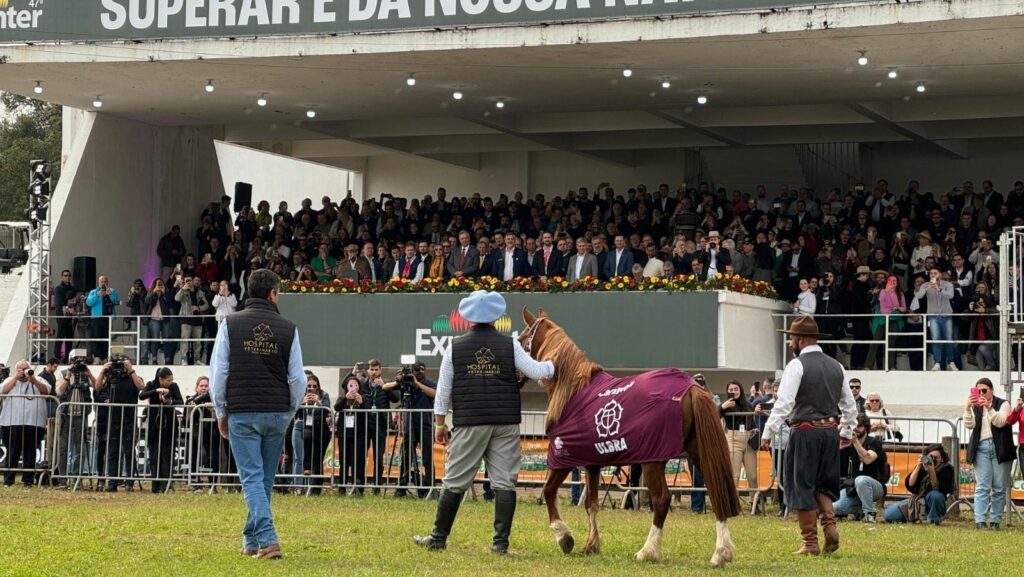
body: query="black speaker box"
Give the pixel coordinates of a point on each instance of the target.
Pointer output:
(83, 273)
(243, 196)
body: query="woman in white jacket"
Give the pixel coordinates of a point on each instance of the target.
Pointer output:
(224, 302)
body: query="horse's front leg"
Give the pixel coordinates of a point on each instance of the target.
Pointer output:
(563, 536)
(593, 546)
(654, 477)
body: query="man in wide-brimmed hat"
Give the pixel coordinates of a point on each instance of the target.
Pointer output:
(815, 402)
(478, 382)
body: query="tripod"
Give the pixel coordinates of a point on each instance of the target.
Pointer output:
(400, 444)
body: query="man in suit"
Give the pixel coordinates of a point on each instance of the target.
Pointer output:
(353, 262)
(600, 250)
(510, 262)
(464, 260)
(698, 270)
(564, 246)
(620, 260)
(485, 259)
(374, 264)
(410, 266)
(547, 261)
(583, 263)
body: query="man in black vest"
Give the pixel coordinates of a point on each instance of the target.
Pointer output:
(478, 383)
(257, 382)
(812, 393)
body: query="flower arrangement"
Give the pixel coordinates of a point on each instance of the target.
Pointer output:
(678, 283)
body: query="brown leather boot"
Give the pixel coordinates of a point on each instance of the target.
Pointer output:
(808, 521)
(828, 523)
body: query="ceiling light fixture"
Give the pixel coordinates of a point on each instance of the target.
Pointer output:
(863, 60)
(499, 104)
(627, 71)
(209, 85)
(97, 102)
(411, 80)
(921, 87)
(39, 87)
(457, 95)
(666, 83)
(702, 99)
(311, 112)
(262, 100)
(893, 75)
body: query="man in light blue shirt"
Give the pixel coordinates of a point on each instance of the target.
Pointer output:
(257, 381)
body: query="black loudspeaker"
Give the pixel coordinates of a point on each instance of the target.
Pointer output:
(243, 196)
(83, 273)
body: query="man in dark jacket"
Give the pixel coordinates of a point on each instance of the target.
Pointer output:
(478, 382)
(171, 251)
(257, 382)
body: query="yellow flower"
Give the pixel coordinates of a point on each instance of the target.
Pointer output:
(565, 284)
(344, 289)
(607, 286)
(620, 285)
(332, 289)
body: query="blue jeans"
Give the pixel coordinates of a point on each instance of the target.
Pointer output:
(154, 334)
(697, 499)
(868, 491)
(990, 478)
(935, 501)
(257, 440)
(941, 329)
(298, 454)
(575, 491)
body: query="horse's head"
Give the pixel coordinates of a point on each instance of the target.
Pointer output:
(535, 331)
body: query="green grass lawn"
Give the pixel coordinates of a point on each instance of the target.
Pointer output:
(50, 532)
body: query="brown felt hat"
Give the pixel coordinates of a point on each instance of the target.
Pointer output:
(804, 326)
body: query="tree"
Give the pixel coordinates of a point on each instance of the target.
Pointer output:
(31, 130)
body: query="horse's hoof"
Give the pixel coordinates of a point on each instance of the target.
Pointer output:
(592, 549)
(728, 554)
(646, 554)
(567, 543)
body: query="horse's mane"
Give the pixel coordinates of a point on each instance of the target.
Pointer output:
(573, 370)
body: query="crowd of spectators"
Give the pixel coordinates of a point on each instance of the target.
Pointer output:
(869, 251)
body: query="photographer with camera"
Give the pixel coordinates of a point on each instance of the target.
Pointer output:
(23, 420)
(372, 427)
(193, 305)
(101, 302)
(864, 473)
(74, 387)
(417, 393)
(930, 483)
(121, 384)
(311, 433)
(163, 395)
(712, 255)
(984, 326)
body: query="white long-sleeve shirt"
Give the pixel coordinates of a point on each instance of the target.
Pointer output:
(790, 385)
(989, 418)
(535, 370)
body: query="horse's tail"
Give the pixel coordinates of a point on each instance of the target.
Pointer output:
(713, 451)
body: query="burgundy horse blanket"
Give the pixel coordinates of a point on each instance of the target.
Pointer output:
(612, 420)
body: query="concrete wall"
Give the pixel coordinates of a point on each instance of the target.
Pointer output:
(275, 177)
(131, 183)
(548, 172)
(996, 159)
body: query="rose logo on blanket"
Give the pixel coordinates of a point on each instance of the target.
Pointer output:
(607, 419)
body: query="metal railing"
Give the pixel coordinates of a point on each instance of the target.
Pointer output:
(887, 344)
(145, 341)
(26, 437)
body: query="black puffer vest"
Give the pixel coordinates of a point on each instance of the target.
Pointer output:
(261, 344)
(485, 390)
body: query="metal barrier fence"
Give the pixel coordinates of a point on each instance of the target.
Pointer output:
(896, 336)
(26, 436)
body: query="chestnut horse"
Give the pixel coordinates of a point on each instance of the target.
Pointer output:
(704, 436)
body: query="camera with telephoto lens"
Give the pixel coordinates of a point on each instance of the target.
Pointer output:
(78, 361)
(118, 369)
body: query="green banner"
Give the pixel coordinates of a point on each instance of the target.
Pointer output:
(618, 330)
(100, 20)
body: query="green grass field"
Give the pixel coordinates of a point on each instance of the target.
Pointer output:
(49, 532)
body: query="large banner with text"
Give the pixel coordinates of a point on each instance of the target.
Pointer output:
(113, 20)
